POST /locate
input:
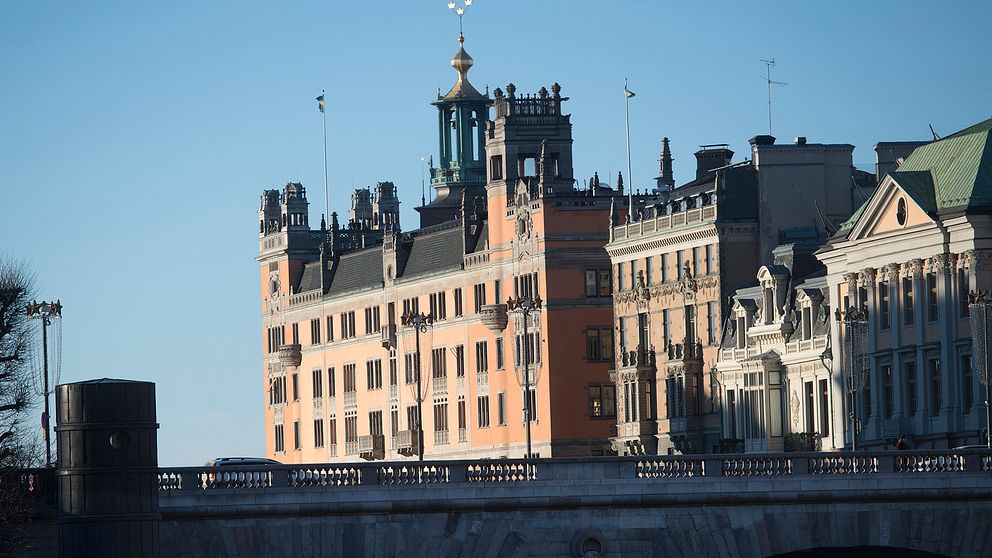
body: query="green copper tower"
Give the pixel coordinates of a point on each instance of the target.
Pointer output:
(462, 116)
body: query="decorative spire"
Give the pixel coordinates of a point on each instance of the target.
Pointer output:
(620, 181)
(665, 179)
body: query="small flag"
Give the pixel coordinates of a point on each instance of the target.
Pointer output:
(627, 92)
(320, 102)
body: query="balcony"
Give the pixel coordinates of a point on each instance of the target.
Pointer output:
(351, 447)
(441, 438)
(405, 442)
(493, 316)
(634, 438)
(388, 332)
(290, 355)
(637, 358)
(372, 447)
(639, 364)
(684, 351)
(462, 435)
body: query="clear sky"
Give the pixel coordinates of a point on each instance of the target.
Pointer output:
(137, 138)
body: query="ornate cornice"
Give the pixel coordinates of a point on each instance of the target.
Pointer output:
(686, 287)
(914, 268)
(866, 278)
(852, 281)
(890, 273)
(939, 263)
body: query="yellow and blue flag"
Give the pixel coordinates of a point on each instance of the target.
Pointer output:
(320, 102)
(627, 92)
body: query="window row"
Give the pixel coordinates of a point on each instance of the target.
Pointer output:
(662, 268)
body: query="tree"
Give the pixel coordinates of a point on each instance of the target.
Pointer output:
(17, 451)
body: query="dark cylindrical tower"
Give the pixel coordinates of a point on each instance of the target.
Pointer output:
(107, 469)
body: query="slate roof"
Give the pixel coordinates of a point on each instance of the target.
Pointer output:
(357, 271)
(310, 278)
(433, 253)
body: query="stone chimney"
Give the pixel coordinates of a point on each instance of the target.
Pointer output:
(710, 157)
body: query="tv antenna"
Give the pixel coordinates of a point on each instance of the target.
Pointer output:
(768, 78)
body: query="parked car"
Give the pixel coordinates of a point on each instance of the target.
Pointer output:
(220, 462)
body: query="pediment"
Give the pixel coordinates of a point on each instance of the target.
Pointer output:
(902, 201)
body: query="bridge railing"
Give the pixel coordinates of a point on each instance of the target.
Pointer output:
(501, 471)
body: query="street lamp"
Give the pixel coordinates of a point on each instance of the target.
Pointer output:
(46, 312)
(978, 309)
(420, 323)
(854, 362)
(525, 305)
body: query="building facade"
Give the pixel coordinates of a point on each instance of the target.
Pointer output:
(910, 256)
(679, 260)
(340, 366)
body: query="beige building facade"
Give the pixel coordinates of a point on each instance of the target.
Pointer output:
(910, 256)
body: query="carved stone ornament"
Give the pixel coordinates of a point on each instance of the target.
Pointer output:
(967, 260)
(867, 277)
(794, 407)
(852, 281)
(939, 263)
(686, 287)
(914, 268)
(891, 272)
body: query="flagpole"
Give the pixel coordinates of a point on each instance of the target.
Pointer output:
(323, 121)
(630, 180)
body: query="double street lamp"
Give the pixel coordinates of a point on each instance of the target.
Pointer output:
(854, 363)
(420, 323)
(978, 310)
(46, 312)
(525, 305)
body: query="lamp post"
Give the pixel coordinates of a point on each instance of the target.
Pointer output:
(525, 305)
(46, 312)
(419, 322)
(978, 310)
(854, 360)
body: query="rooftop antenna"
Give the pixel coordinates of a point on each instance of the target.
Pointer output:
(935, 136)
(768, 78)
(423, 195)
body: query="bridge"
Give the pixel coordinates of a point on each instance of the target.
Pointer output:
(938, 503)
(108, 497)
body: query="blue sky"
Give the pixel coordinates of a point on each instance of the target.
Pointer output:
(137, 137)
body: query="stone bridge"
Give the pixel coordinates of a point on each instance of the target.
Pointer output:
(936, 503)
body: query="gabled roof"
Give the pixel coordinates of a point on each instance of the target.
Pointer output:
(919, 186)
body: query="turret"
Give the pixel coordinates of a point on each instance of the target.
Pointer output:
(665, 178)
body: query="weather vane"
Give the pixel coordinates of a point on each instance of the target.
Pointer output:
(459, 11)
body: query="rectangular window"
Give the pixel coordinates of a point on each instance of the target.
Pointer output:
(439, 363)
(887, 401)
(279, 438)
(458, 302)
(332, 434)
(394, 421)
(591, 288)
(824, 408)
(963, 289)
(597, 282)
(690, 324)
(633, 274)
(462, 414)
(373, 374)
(481, 357)
(318, 433)
(599, 344)
(460, 361)
(932, 306)
(330, 329)
(296, 387)
(411, 367)
(883, 305)
(621, 277)
(500, 363)
(496, 167)
(351, 429)
(480, 297)
(709, 259)
(907, 300)
(318, 384)
(296, 334)
(666, 326)
(372, 320)
(296, 434)
(532, 404)
(665, 276)
(967, 384)
(393, 373)
(697, 269)
(679, 268)
(605, 288)
(411, 417)
(497, 291)
(648, 270)
(933, 366)
(808, 392)
(483, 403)
(501, 408)
(331, 384)
(711, 322)
(440, 417)
(602, 401)
(375, 423)
(315, 331)
(909, 372)
(622, 333)
(350, 385)
(643, 332)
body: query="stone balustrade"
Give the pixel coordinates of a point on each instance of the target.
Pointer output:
(290, 355)
(810, 464)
